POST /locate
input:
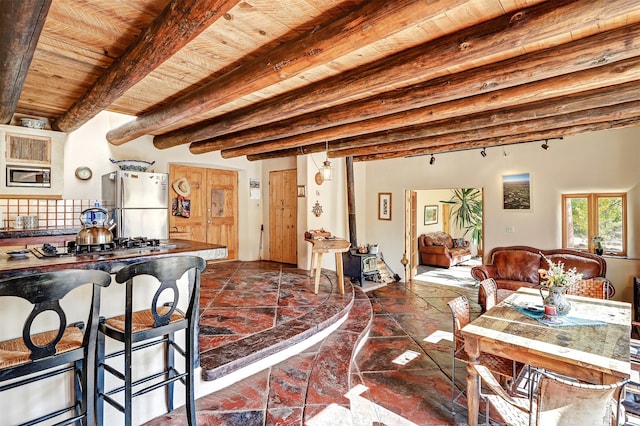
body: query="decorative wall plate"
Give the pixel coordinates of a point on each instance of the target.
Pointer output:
(319, 178)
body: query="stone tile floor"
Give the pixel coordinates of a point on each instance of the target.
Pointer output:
(407, 322)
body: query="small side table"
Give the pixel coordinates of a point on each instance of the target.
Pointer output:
(319, 247)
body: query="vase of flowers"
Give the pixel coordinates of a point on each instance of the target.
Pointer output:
(597, 244)
(556, 281)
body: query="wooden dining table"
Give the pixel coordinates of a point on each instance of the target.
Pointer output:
(597, 354)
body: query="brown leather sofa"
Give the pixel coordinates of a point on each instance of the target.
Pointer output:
(517, 266)
(439, 249)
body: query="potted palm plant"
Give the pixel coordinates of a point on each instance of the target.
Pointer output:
(466, 212)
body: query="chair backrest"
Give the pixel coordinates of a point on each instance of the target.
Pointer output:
(489, 289)
(44, 292)
(461, 316)
(589, 288)
(562, 402)
(167, 271)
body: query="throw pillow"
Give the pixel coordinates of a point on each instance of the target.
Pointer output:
(458, 242)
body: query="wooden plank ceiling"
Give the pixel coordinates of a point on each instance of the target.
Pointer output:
(367, 79)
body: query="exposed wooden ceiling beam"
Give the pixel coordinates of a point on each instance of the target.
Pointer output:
(179, 23)
(477, 46)
(500, 141)
(450, 98)
(478, 128)
(560, 105)
(367, 23)
(623, 111)
(21, 23)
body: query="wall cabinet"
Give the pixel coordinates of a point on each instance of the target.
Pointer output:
(26, 147)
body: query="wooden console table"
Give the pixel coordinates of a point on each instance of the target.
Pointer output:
(319, 247)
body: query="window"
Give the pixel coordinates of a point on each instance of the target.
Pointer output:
(585, 216)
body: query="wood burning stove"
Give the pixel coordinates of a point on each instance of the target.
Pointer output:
(360, 266)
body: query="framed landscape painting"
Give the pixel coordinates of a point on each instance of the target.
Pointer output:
(430, 215)
(516, 191)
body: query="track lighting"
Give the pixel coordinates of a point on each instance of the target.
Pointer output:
(545, 145)
(432, 160)
(483, 152)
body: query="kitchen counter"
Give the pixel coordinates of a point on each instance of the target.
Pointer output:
(109, 261)
(21, 238)
(37, 232)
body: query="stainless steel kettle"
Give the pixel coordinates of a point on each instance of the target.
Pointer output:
(94, 232)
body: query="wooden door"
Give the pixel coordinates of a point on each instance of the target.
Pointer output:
(222, 209)
(414, 260)
(446, 218)
(411, 234)
(213, 207)
(194, 227)
(283, 213)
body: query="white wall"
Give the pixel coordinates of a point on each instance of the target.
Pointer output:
(429, 198)
(88, 146)
(603, 161)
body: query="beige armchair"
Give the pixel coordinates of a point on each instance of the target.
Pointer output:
(557, 402)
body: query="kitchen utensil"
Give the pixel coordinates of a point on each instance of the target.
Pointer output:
(18, 253)
(94, 231)
(30, 222)
(18, 223)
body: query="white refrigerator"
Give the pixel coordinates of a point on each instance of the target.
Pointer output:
(138, 202)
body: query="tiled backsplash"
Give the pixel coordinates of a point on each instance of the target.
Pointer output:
(51, 213)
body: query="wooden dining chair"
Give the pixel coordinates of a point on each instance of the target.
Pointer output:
(155, 325)
(508, 370)
(596, 289)
(556, 402)
(41, 355)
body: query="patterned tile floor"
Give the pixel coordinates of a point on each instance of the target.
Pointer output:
(408, 321)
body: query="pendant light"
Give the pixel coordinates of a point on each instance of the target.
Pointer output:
(326, 170)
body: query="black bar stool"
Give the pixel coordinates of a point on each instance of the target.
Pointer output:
(150, 327)
(69, 348)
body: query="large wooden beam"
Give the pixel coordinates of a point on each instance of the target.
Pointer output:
(180, 22)
(531, 30)
(623, 111)
(620, 115)
(366, 24)
(501, 141)
(21, 23)
(465, 84)
(563, 105)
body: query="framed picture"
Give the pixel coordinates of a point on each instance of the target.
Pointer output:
(302, 191)
(384, 206)
(430, 215)
(516, 192)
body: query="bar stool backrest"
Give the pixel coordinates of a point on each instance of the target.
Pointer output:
(167, 271)
(43, 354)
(153, 325)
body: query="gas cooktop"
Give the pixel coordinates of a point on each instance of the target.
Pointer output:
(118, 244)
